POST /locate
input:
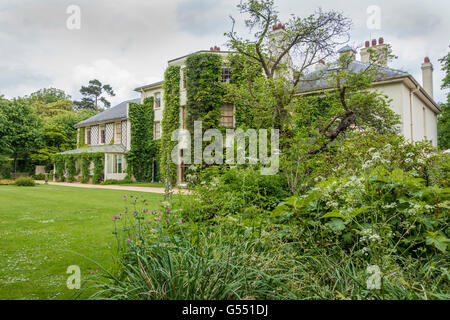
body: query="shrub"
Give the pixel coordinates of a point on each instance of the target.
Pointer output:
(115, 181)
(25, 182)
(40, 176)
(231, 191)
(164, 257)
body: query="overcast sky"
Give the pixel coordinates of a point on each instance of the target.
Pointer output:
(128, 43)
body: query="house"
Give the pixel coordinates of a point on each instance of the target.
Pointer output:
(109, 131)
(412, 101)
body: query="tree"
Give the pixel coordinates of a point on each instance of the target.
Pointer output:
(59, 135)
(444, 117)
(22, 128)
(92, 94)
(309, 124)
(49, 95)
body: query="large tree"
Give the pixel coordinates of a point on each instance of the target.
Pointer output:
(23, 127)
(444, 117)
(286, 54)
(92, 95)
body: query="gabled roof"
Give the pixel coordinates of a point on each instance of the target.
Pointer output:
(116, 112)
(155, 84)
(317, 80)
(110, 148)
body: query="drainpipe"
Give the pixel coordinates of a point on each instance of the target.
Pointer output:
(411, 93)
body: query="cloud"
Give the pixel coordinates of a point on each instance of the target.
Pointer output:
(128, 43)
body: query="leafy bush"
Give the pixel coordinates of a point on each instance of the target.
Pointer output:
(167, 258)
(394, 208)
(25, 182)
(40, 176)
(231, 191)
(127, 180)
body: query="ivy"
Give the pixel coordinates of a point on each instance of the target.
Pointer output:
(85, 164)
(143, 148)
(98, 160)
(204, 90)
(81, 138)
(59, 167)
(71, 167)
(170, 122)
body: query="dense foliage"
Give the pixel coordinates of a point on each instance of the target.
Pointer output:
(204, 92)
(144, 150)
(170, 123)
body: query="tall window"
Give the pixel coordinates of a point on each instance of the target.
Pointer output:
(157, 130)
(116, 163)
(88, 136)
(157, 100)
(102, 135)
(226, 74)
(227, 116)
(183, 79)
(118, 133)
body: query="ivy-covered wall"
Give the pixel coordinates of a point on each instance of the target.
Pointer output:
(81, 138)
(143, 148)
(204, 90)
(68, 162)
(170, 122)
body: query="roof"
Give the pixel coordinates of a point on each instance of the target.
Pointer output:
(345, 49)
(200, 51)
(116, 112)
(316, 80)
(155, 84)
(110, 148)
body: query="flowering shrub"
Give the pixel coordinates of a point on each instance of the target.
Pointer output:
(7, 182)
(231, 191)
(394, 209)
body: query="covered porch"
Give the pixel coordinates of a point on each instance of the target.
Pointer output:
(113, 164)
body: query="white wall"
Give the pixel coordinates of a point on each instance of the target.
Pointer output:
(424, 124)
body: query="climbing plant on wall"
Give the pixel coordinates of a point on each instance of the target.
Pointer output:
(98, 160)
(59, 166)
(143, 148)
(204, 90)
(170, 122)
(81, 138)
(85, 164)
(71, 160)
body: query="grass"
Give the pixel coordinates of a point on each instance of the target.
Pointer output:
(144, 184)
(45, 229)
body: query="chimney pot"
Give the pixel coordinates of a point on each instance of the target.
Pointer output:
(426, 60)
(380, 40)
(367, 44)
(211, 49)
(374, 42)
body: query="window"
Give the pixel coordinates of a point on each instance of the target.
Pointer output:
(102, 135)
(226, 74)
(183, 79)
(227, 117)
(118, 133)
(157, 130)
(157, 100)
(88, 136)
(116, 163)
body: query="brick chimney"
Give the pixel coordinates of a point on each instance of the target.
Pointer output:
(320, 65)
(378, 47)
(427, 76)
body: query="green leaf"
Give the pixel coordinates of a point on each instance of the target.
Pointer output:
(438, 240)
(333, 214)
(336, 225)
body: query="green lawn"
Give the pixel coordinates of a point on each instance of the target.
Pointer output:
(40, 229)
